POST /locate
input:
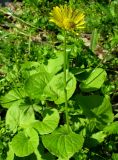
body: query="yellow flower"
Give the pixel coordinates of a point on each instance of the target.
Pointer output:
(67, 18)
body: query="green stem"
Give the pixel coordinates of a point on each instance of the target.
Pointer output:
(38, 156)
(19, 19)
(65, 81)
(29, 45)
(67, 62)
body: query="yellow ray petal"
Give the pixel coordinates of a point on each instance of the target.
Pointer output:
(67, 18)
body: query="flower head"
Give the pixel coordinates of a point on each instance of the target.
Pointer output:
(67, 18)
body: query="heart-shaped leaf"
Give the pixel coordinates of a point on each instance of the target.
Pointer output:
(54, 65)
(97, 108)
(63, 143)
(36, 83)
(12, 98)
(21, 116)
(25, 142)
(49, 123)
(54, 91)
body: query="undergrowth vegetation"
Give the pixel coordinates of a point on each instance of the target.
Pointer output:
(59, 85)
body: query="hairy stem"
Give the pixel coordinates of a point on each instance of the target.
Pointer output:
(65, 81)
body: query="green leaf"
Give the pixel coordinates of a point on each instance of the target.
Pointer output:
(112, 8)
(63, 143)
(36, 83)
(12, 98)
(30, 157)
(77, 70)
(99, 136)
(10, 153)
(112, 128)
(82, 76)
(49, 123)
(97, 108)
(25, 142)
(96, 139)
(56, 64)
(54, 91)
(21, 116)
(30, 67)
(94, 39)
(115, 156)
(60, 37)
(94, 81)
(12, 118)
